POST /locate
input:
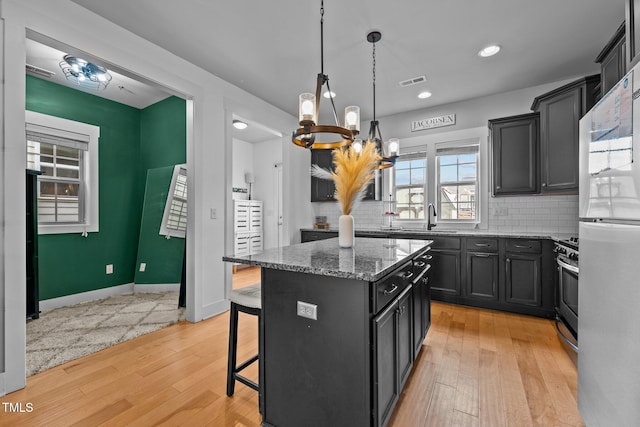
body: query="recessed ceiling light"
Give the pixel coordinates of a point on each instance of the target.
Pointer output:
(489, 50)
(424, 95)
(328, 94)
(239, 124)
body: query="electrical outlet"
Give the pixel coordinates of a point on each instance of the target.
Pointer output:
(143, 266)
(109, 268)
(214, 213)
(501, 211)
(310, 311)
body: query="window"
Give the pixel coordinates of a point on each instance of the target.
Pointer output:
(457, 186)
(174, 220)
(66, 153)
(410, 184)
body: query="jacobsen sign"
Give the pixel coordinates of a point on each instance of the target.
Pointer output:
(433, 122)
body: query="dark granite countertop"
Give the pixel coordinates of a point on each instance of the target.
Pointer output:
(459, 233)
(370, 259)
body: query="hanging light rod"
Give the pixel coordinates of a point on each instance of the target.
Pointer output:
(309, 109)
(388, 150)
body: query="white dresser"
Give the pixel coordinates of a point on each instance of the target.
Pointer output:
(247, 227)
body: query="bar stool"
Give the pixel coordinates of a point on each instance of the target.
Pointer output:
(246, 300)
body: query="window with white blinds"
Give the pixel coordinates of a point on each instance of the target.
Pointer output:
(457, 183)
(174, 220)
(410, 180)
(65, 152)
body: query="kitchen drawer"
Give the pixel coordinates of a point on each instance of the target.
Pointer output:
(309, 236)
(523, 246)
(391, 286)
(479, 244)
(445, 242)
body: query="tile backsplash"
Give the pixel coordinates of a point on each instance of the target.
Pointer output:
(548, 214)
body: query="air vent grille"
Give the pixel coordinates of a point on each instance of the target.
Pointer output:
(413, 81)
(38, 71)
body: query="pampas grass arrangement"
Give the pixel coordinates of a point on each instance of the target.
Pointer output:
(353, 171)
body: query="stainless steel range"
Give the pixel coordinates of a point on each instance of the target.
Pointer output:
(567, 309)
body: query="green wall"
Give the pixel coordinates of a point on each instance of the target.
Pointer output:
(163, 142)
(70, 263)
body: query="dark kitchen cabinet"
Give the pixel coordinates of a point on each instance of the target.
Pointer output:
(322, 190)
(522, 280)
(421, 301)
(612, 60)
(445, 270)
(393, 354)
(515, 154)
(632, 32)
(482, 269)
(560, 111)
(309, 236)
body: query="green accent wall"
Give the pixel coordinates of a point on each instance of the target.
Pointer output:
(162, 256)
(129, 145)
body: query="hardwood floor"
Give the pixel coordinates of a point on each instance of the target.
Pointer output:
(476, 368)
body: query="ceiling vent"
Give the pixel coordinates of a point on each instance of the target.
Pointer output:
(39, 71)
(413, 81)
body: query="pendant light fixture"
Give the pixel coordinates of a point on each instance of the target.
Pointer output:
(387, 149)
(308, 112)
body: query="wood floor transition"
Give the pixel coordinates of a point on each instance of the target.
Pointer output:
(476, 368)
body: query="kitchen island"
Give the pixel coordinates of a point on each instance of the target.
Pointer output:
(340, 329)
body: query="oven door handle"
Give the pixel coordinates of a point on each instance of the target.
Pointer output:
(567, 266)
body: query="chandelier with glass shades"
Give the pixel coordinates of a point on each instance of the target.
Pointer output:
(308, 112)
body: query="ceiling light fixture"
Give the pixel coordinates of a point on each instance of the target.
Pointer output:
(489, 50)
(424, 95)
(388, 150)
(85, 73)
(239, 124)
(309, 106)
(328, 94)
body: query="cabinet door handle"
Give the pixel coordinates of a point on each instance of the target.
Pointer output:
(428, 257)
(523, 246)
(407, 275)
(421, 264)
(482, 255)
(390, 291)
(498, 187)
(482, 245)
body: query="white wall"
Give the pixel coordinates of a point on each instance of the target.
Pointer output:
(210, 104)
(242, 164)
(265, 157)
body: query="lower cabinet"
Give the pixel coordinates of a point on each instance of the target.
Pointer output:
(523, 284)
(394, 354)
(482, 276)
(445, 267)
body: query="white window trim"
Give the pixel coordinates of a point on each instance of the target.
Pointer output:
(91, 204)
(479, 200)
(164, 230)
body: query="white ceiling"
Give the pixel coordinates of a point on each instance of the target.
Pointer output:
(272, 48)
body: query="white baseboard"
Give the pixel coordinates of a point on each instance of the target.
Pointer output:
(50, 304)
(215, 308)
(160, 287)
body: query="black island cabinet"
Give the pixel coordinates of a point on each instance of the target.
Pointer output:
(346, 366)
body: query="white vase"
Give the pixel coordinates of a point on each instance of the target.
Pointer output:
(346, 231)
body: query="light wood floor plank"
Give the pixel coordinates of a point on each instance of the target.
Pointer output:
(476, 368)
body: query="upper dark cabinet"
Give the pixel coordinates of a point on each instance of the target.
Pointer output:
(514, 154)
(322, 190)
(632, 33)
(560, 112)
(612, 60)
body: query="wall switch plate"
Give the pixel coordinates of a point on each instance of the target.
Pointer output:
(109, 268)
(214, 214)
(310, 311)
(143, 266)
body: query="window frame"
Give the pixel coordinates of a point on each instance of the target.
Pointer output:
(407, 157)
(164, 228)
(57, 126)
(458, 149)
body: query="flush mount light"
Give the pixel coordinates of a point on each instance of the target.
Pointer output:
(239, 124)
(489, 50)
(85, 73)
(424, 95)
(309, 107)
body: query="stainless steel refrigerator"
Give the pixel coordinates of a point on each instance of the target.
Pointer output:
(609, 279)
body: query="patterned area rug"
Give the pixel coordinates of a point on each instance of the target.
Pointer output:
(68, 333)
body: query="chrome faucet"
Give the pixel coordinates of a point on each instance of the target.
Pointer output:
(430, 225)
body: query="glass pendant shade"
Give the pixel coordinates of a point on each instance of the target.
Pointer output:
(357, 145)
(352, 118)
(392, 147)
(307, 108)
